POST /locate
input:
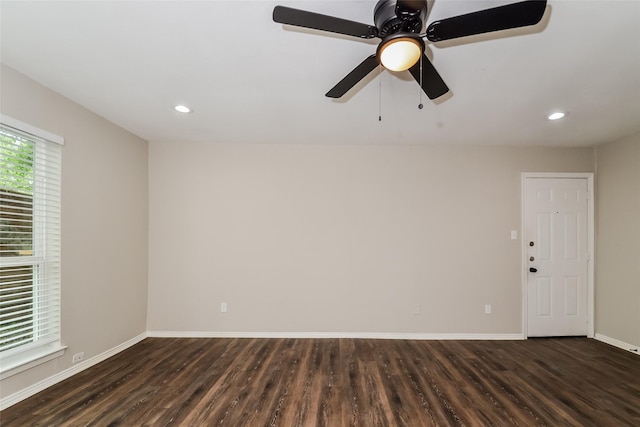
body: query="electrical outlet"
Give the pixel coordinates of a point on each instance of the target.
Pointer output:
(487, 309)
(223, 307)
(416, 309)
(78, 357)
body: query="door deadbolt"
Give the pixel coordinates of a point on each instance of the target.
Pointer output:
(531, 243)
(532, 259)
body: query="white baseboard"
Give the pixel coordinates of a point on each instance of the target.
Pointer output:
(363, 335)
(617, 343)
(60, 376)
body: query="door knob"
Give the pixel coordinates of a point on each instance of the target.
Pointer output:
(533, 269)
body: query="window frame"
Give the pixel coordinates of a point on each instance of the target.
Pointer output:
(30, 354)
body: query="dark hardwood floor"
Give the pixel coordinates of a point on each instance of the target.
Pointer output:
(346, 382)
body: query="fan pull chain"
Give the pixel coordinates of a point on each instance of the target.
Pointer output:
(420, 89)
(379, 93)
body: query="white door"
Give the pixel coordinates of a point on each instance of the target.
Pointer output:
(556, 239)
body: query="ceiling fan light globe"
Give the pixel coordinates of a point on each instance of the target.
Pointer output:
(400, 54)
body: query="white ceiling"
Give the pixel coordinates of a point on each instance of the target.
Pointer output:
(249, 79)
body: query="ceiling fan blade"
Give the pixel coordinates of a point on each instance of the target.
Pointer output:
(351, 79)
(432, 83)
(513, 15)
(303, 18)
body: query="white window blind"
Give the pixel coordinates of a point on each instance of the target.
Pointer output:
(30, 196)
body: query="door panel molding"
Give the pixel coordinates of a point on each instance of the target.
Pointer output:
(589, 177)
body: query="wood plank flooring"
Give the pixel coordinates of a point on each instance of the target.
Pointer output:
(346, 382)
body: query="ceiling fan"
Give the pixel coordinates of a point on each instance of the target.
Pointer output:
(398, 24)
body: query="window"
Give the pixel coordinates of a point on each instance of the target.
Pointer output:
(29, 243)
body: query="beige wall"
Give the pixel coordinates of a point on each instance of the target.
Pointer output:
(618, 240)
(313, 238)
(104, 224)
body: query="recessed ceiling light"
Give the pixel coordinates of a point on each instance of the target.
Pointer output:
(182, 109)
(555, 116)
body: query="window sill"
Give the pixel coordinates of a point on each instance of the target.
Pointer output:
(10, 366)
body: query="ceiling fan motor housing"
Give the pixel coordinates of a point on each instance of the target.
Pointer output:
(391, 16)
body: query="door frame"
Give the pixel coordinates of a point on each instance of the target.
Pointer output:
(590, 244)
